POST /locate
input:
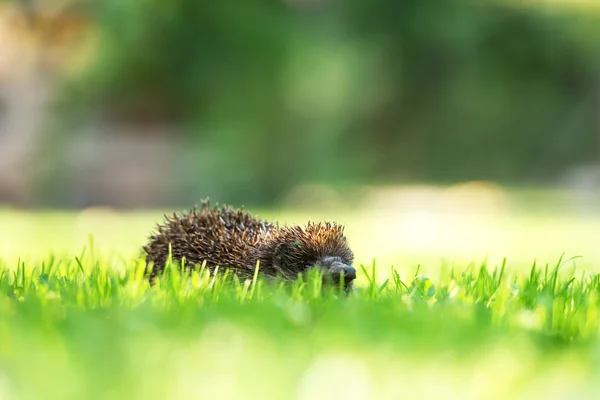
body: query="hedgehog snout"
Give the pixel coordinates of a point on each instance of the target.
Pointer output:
(339, 270)
(336, 268)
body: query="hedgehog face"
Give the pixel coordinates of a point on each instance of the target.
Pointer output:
(336, 270)
(335, 265)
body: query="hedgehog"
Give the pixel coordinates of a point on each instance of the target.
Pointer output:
(222, 236)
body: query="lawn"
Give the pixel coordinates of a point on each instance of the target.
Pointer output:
(431, 318)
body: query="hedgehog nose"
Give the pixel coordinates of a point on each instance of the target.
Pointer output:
(347, 271)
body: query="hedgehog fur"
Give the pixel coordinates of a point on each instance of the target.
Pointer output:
(233, 238)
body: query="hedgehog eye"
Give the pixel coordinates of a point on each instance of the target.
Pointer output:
(297, 245)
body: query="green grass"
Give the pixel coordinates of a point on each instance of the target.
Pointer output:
(77, 319)
(90, 326)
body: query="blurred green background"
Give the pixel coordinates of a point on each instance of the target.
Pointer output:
(156, 104)
(454, 129)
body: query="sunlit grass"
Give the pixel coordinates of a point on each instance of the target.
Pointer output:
(400, 236)
(91, 327)
(449, 303)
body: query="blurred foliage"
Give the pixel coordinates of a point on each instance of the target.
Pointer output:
(271, 94)
(487, 92)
